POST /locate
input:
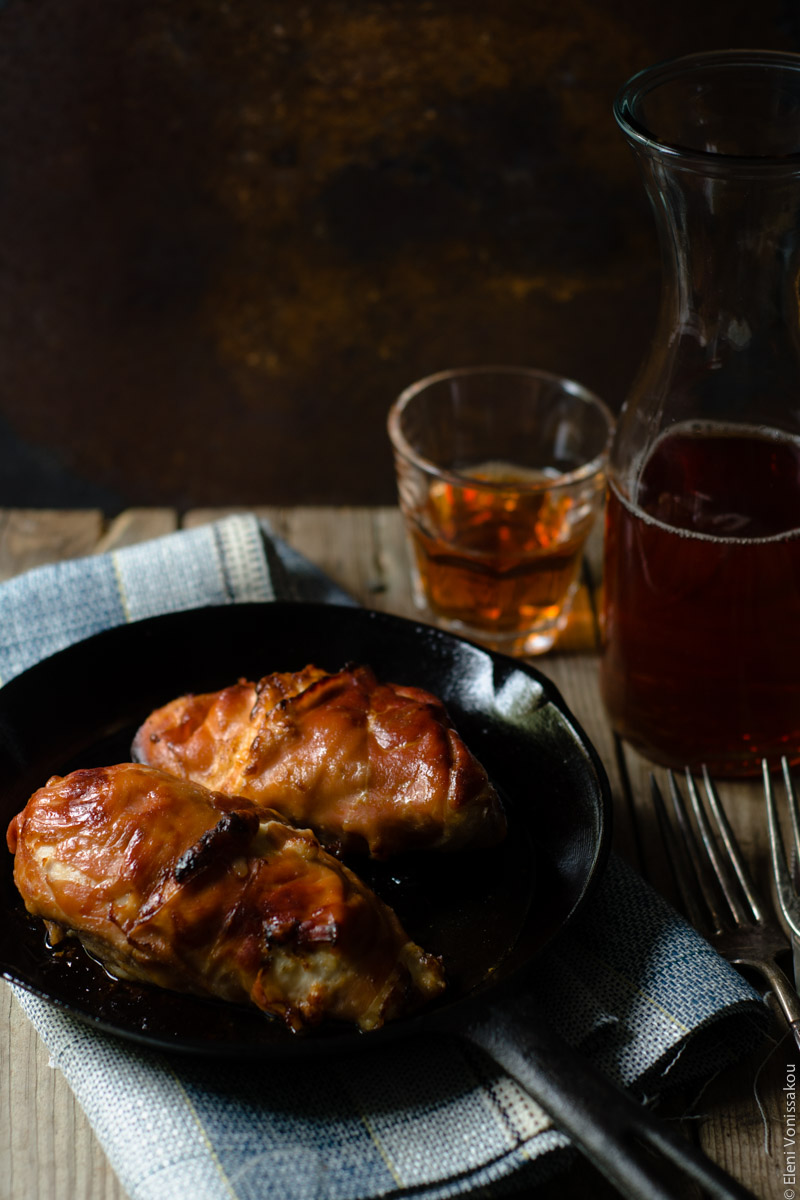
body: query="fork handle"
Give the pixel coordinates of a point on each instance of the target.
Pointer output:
(785, 994)
(625, 1141)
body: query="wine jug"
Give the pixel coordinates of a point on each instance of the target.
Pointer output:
(701, 610)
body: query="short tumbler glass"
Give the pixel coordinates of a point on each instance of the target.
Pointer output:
(500, 473)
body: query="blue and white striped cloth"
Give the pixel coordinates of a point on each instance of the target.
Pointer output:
(630, 983)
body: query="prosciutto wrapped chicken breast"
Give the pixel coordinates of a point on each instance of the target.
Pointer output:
(368, 766)
(168, 883)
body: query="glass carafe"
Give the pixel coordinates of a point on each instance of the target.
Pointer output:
(702, 561)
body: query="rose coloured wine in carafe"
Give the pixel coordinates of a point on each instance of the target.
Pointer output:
(701, 610)
(702, 600)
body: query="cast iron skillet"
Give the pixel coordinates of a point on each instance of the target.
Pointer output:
(488, 914)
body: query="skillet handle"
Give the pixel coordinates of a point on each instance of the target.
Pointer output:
(623, 1139)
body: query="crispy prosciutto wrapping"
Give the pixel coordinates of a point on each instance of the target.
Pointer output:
(366, 765)
(168, 883)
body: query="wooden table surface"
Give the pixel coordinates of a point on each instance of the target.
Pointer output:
(47, 1149)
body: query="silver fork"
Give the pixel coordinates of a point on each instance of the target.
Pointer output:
(784, 883)
(718, 892)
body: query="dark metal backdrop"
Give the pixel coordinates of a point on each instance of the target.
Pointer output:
(230, 232)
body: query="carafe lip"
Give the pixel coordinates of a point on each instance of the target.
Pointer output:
(647, 80)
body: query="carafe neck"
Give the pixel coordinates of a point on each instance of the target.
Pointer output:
(730, 248)
(717, 140)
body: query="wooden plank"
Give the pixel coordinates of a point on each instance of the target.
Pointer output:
(202, 516)
(393, 591)
(32, 537)
(46, 1143)
(741, 1118)
(359, 548)
(137, 525)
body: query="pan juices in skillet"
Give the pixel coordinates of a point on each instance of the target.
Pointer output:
(368, 766)
(167, 883)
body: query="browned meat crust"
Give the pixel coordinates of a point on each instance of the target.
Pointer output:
(168, 883)
(366, 765)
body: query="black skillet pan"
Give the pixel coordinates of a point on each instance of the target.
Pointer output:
(488, 914)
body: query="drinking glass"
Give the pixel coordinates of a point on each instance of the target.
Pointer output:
(500, 474)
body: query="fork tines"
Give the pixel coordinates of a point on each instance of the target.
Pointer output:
(718, 893)
(728, 869)
(784, 882)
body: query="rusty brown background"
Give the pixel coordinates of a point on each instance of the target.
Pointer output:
(231, 232)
